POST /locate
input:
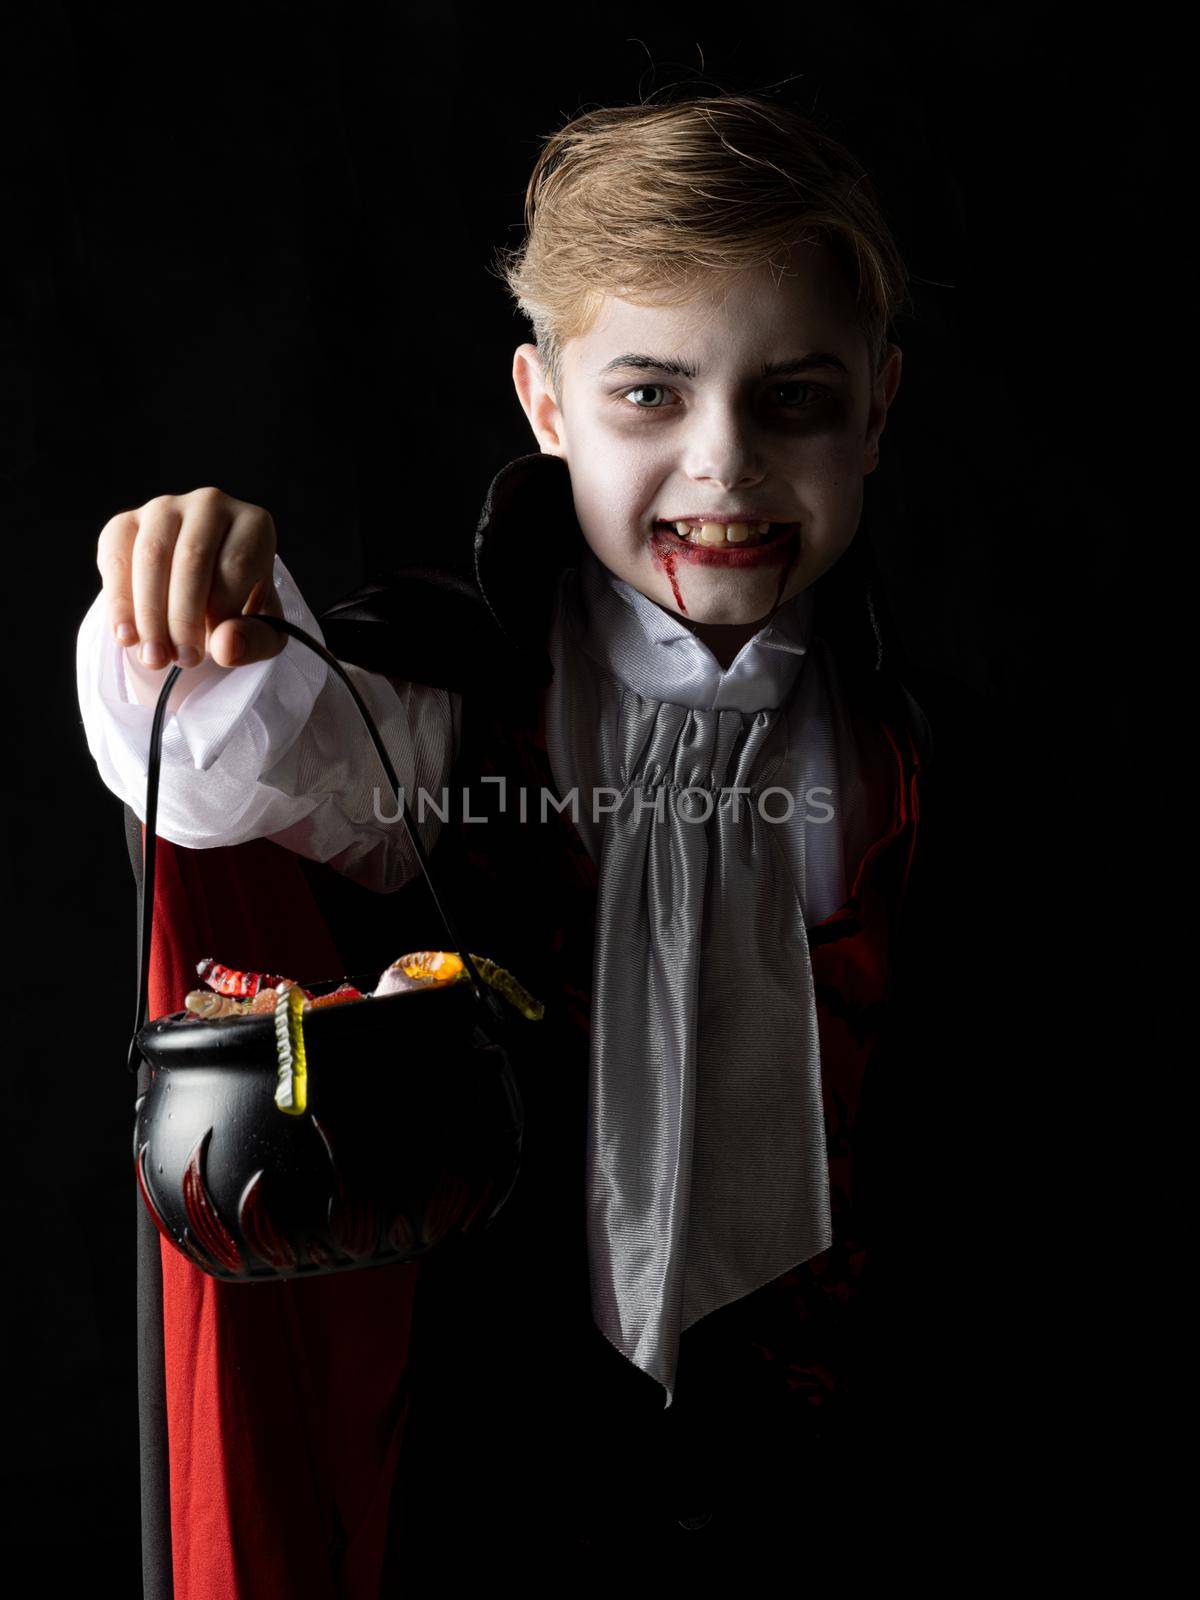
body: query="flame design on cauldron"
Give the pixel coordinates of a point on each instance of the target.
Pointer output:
(259, 1231)
(476, 1210)
(354, 1223)
(211, 1234)
(140, 1169)
(318, 1255)
(446, 1203)
(400, 1235)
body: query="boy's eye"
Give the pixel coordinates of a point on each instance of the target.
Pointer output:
(647, 388)
(811, 395)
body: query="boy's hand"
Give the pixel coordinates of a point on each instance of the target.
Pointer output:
(181, 572)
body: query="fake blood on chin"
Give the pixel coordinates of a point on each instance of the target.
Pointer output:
(669, 552)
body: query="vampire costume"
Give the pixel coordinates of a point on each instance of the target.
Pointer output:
(721, 1200)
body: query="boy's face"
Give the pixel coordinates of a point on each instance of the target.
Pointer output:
(646, 441)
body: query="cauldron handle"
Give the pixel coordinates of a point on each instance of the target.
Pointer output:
(146, 904)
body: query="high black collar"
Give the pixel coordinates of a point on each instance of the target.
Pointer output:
(473, 631)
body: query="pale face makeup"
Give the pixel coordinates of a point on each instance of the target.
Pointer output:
(754, 401)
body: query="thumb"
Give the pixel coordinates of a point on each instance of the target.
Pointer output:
(238, 640)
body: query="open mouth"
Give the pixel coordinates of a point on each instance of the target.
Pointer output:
(722, 536)
(709, 544)
(694, 543)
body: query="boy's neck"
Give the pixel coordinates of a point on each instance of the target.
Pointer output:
(724, 639)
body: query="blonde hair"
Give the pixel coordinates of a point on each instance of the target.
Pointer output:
(643, 201)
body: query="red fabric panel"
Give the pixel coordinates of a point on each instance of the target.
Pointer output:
(286, 1402)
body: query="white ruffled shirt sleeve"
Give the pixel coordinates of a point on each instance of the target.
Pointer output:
(272, 750)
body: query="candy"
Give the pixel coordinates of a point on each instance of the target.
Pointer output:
(291, 1077)
(442, 965)
(203, 1005)
(264, 1001)
(423, 969)
(515, 993)
(242, 985)
(209, 1007)
(430, 969)
(345, 991)
(233, 993)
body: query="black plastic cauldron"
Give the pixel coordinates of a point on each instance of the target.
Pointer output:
(411, 1136)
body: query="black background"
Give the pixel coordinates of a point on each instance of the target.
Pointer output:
(251, 249)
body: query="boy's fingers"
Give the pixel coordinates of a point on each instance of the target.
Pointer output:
(114, 552)
(241, 640)
(262, 643)
(263, 600)
(183, 572)
(158, 529)
(195, 559)
(247, 555)
(243, 582)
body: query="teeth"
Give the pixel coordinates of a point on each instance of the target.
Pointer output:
(719, 533)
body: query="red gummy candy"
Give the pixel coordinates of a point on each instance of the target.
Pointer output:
(345, 991)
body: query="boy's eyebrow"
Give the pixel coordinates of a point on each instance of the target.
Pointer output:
(819, 360)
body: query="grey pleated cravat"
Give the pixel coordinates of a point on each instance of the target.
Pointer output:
(707, 1174)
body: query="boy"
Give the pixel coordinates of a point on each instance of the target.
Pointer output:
(668, 611)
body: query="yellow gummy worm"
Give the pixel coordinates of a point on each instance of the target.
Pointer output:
(504, 983)
(445, 966)
(291, 1089)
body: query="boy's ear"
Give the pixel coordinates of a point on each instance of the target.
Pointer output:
(537, 401)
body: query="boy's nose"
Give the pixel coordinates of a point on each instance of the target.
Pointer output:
(724, 452)
(725, 475)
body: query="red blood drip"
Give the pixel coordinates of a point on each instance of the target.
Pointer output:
(666, 558)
